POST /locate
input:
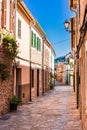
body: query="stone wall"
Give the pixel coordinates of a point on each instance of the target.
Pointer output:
(61, 73)
(83, 68)
(6, 86)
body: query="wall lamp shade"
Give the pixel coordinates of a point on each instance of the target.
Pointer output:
(66, 25)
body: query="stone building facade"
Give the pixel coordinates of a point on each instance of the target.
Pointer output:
(65, 69)
(61, 72)
(6, 25)
(79, 47)
(6, 86)
(29, 73)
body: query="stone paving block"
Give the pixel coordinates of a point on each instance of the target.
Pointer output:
(55, 110)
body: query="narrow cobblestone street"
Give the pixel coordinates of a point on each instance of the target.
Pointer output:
(56, 110)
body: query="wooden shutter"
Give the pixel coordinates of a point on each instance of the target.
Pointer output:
(39, 44)
(19, 28)
(4, 3)
(11, 15)
(32, 38)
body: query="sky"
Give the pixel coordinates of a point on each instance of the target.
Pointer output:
(51, 16)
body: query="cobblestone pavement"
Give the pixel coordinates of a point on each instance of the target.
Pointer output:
(55, 110)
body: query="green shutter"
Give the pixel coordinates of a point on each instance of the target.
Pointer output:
(39, 44)
(32, 39)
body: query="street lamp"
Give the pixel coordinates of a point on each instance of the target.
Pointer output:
(67, 26)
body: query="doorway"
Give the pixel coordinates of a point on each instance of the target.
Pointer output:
(37, 82)
(18, 83)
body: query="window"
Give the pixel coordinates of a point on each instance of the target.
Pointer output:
(32, 39)
(19, 28)
(38, 44)
(36, 41)
(33, 43)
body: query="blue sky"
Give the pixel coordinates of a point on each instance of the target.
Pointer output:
(51, 16)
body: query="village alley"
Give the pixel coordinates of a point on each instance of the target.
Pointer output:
(55, 110)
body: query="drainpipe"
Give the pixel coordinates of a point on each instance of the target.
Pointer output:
(43, 39)
(15, 3)
(30, 63)
(14, 34)
(30, 73)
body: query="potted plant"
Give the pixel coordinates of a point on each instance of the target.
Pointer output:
(14, 102)
(51, 85)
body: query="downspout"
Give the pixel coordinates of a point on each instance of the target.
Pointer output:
(43, 39)
(30, 74)
(15, 19)
(14, 33)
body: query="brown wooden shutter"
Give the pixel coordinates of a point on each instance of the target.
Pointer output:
(11, 15)
(4, 7)
(19, 28)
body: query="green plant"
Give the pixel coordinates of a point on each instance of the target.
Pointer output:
(10, 46)
(72, 75)
(53, 75)
(15, 100)
(5, 73)
(51, 85)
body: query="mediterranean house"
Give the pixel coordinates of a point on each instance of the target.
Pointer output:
(64, 69)
(79, 47)
(30, 70)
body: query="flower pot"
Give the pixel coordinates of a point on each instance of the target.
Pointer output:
(13, 107)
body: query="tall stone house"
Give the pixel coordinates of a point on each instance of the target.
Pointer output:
(79, 48)
(30, 71)
(64, 69)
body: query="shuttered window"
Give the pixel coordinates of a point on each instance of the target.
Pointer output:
(32, 38)
(19, 28)
(36, 41)
(39, 44)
